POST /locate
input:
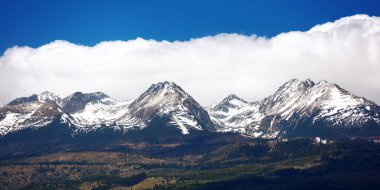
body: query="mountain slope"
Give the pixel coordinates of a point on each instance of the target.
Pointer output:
(296, 109)
(162, 104)
(92, 111)
(17, 101)
(78, 100)
(303, 108)
(50, 96)
(28, 115)
(103, 112)
(166, 99)
(237, 115)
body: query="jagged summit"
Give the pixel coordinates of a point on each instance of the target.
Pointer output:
(295, 85)
(28, 113)
(236, 114)
(166, 84)
(49, 96)
(233, 97)
(100, 95)
(22, 100)
(164, 89)
(302, 105)
(78, 100)
(166, 99)
(288, 93)
(309, 82)
(161, 97)
(43, 97)
(230, 103)
(297, 108)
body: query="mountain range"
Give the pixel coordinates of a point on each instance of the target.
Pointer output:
(297, 109)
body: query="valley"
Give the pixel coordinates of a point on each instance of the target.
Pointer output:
(201, 162)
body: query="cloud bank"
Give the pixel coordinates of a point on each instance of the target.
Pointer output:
(346, 52)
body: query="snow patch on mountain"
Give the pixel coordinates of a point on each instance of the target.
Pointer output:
(325, 101)
(50, 96)
(296, 101)
(166, 99)
(14, 118)
(104, 112)
(237, 114)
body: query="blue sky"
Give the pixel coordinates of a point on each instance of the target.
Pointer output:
(211, 52)
(87, 22)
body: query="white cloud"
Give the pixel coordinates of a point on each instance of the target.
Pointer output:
(346, 52)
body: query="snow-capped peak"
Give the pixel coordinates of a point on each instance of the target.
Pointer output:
(166, 99)
(296, 104)
(162, 94)
(43, 97)
(295, 85)
(322, 82)
(165, 88)
(287, 95)
(22, 100)
(49, 96)
(233, 97)
(309, 82)
(78, 100)
(231, 102)
(333, 98)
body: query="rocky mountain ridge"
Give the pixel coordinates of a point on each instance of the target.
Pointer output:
(297, 108)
